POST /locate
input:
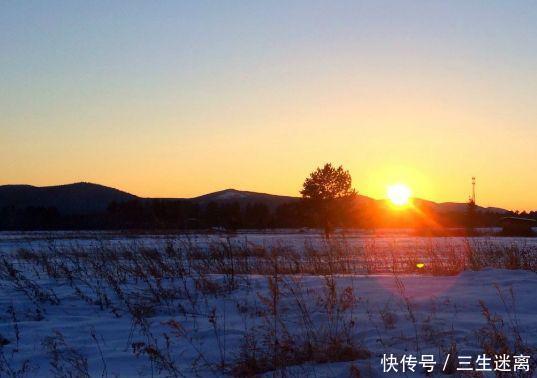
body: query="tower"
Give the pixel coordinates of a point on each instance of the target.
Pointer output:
(473, 190)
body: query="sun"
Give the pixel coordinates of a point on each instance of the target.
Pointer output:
(399, 194)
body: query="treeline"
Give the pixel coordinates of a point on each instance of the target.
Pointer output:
(183, 214)
(158, 214)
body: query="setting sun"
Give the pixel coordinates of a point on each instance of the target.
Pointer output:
(399, 194)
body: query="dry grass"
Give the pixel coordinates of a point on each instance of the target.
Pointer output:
(183, 279)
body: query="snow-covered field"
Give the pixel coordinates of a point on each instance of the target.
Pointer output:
(284, 304)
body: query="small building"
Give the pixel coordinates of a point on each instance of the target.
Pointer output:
(518, 226)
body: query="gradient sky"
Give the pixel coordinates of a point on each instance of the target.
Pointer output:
(180, 98)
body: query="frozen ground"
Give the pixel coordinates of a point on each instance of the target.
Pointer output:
(70, 306)
(10, 241)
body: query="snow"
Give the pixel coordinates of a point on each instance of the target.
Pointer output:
(230, 195)
(446, 311)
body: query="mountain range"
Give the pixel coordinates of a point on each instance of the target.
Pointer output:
(88, 198)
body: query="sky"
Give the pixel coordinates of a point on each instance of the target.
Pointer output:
(181, 98)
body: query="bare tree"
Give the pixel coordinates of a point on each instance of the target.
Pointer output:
(329, 191)
(471, 210)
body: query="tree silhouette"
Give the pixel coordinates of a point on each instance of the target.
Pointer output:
(471, 212)
(329, 192)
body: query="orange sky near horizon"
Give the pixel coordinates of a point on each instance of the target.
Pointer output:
(182, 99)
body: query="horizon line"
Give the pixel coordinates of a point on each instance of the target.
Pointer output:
(249, 191)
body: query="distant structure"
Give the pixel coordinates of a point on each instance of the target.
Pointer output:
(516, 226)
(472, 197)
(471, 211)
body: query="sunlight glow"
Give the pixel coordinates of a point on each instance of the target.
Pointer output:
(399, 194)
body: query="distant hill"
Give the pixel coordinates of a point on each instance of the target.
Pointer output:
(79, 198)
(455, 207)
(243, 198)
(88, 198)
(272, 201)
